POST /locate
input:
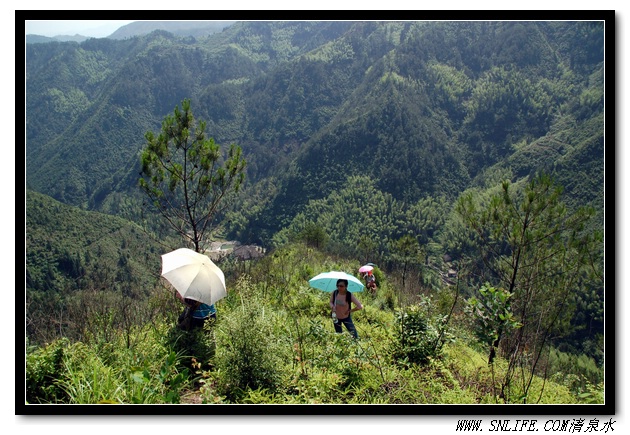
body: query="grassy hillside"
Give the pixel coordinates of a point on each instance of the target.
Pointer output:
(273, 343)
(73, 255)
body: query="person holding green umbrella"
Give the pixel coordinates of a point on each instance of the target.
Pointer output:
(342, 287)
(341, 301)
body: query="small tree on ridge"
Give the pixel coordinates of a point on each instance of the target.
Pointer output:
(183, 175)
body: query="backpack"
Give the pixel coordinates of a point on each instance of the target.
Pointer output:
(348, 297)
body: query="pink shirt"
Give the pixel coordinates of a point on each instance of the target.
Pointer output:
(341, 307)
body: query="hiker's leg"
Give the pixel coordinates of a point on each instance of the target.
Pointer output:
(181, 316)
(337, 326)
(198, 323)
(350, 327)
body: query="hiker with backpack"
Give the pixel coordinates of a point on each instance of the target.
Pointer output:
(341, 301)
(370, 282)
(195, 314)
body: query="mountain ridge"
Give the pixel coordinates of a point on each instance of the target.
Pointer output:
(197, 29)
(432, 105)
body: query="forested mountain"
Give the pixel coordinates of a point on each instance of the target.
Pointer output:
(67, 246)
(74, 257)
(428, 117)
(89, 105)
(423, 108)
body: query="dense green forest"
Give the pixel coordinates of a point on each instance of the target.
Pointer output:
(426, 109)
(78, 260)
(465, 159)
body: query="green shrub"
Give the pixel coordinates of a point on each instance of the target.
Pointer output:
(579, 373)
(89, 380)
(321, 386)
(44, 368)
(162, 383)
(274, 342)
(197, 346)
(416, 337)
(248, 355)
(386, 298)
(374, 315)
(592, 394)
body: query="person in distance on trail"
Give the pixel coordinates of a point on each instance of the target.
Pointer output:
(370, 281)
(341, 301)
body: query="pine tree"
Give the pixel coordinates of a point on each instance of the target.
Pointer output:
(184, 177)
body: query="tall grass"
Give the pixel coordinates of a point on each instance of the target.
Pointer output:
(273, 342)
(81, 374)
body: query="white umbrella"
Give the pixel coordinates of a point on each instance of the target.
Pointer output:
(194, 275)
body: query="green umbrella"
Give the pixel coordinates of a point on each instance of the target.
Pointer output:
(327, 281)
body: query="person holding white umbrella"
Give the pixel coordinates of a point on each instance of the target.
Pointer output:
(199, 284)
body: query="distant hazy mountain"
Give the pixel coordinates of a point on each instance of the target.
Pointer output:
(196, 29)
(38, 39)
(180, 28)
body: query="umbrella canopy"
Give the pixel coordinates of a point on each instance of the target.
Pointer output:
(365, 268)
(194, 275)
(327, 281)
